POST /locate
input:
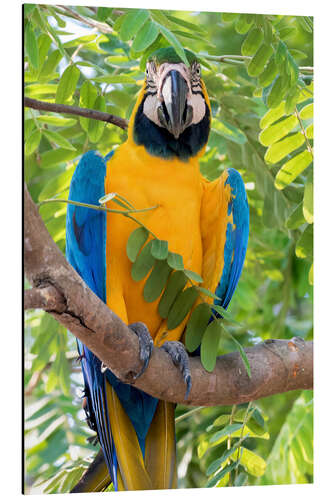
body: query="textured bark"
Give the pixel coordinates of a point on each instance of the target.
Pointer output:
(276, 365)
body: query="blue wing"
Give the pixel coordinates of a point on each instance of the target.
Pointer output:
(236, 239)
(86, 252)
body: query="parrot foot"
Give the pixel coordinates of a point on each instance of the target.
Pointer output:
(180, 358)
(146, 345)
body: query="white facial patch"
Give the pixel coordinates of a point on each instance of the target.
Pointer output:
(199, 107)
(150, 109)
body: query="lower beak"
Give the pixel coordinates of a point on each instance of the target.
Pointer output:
(174, 93)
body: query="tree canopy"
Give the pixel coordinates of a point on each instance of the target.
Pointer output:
(259, 76)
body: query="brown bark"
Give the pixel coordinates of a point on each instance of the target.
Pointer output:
(75, 110)
(276, 365)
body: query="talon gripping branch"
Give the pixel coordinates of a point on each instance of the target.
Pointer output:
(207, 223)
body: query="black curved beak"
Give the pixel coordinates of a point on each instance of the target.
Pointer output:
(174, 112)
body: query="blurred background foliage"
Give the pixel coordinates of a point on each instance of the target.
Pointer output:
(258, 72)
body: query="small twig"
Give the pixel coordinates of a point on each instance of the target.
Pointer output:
(188, 414)
(102, 208)
(102, 27)
(76, 110)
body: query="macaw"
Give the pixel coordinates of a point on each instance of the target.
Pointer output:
(205, 222)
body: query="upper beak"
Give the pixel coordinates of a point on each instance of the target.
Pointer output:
(175, 114)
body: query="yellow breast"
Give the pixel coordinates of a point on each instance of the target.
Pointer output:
(176, 188)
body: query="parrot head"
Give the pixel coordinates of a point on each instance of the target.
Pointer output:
(172, 115)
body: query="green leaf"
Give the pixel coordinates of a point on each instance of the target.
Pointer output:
(185, 24)
(114, 79)
(244, 23)
(252, 42)
(88, 95)
(50, 64)
(55, 157)
(103, 13)
(193, 276)
(56, 185)
(291, 457)
(229, 430)
(269, 73)
(292, 69)
(281, 53)
(309, 131)
(135, 241)
(79, 41)
(220, 475)
(32, 142)
(228, 131)
(174, 42)
(133, 21)
(305, 23)
(311, 275)
(253, 463)
(214, 466)
(304, 245)
(67, 84)
(307, 112)
(272, 116)
(308, 199)
(275, 132)
(44, 42)
(296, 218)
(96, 127)
(57, 121)
(145, 36)
(208, 293)
(55, 137)
(175, 261)
(282, 148)
(143, 263)
(292, 169)
(156, 281)
(242, 354)
(197, 325)
(28, 9)
(259, 60)
(276, 93)
(174, 286)
(210, 344)
(31, 45)
(228, 17)
(291, 100)
(159, 249)
(181, 307)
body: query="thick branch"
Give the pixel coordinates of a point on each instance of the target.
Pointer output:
(47, 298)
(276, 366)
(76, 110)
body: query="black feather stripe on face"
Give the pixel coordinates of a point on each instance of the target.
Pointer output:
(159, 142)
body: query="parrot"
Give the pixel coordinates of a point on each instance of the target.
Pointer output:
(207, 223)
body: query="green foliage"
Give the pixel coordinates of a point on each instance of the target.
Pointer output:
(262, 105)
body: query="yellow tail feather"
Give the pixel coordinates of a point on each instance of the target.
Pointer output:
(130, 460)
(160, 454)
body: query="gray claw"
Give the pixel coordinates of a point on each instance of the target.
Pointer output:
(180, 358)
(146, 345)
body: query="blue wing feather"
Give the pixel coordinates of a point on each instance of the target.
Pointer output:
(237, 235)
(86, 252)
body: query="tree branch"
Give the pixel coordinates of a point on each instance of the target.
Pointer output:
(276, 365)
(102, 27)
(76, 110)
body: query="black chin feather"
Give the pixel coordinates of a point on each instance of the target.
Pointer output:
(159, 142)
